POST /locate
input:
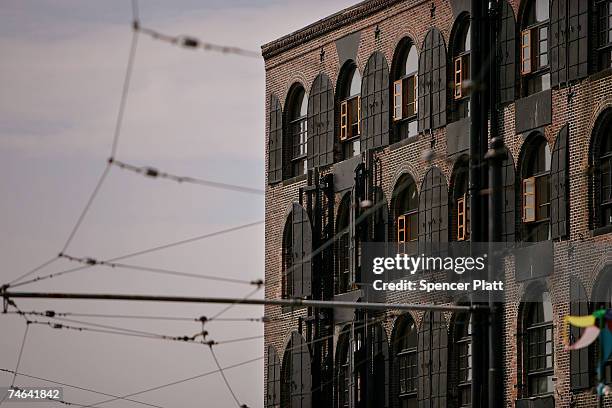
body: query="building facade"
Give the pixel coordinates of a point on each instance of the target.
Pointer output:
(368, 117)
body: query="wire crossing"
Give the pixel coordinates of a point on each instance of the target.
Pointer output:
(132, 254)
(94, 262)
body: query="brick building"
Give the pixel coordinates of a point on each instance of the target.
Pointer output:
(367, 141)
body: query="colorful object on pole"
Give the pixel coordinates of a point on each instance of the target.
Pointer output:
(581, 321)
(598, 324)
(589, 335)
(605, 342)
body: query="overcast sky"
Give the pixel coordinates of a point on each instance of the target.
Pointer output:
(189, 113)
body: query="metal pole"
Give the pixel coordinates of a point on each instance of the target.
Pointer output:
(241, 301)
(495, 156)
(477, 130)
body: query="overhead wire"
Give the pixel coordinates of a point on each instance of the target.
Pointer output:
(116, 135)
(184, 380)
(154, 173)
(225, 380)
(121, 331)
(21, 348)
(94, 262)
(191, 42)
(138, 253)
(51, 313)
(76, 387)
(231, 305)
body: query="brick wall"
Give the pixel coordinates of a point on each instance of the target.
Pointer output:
(302, 63)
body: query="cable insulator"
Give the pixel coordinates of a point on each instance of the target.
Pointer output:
(151, 172)
(50, 313)
(190, 42)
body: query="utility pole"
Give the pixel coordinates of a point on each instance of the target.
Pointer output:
(478, 136)
(495, 157)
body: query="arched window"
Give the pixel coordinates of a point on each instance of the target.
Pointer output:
(604, 33)
(601, 160)
(273, 378)
(296, 254)
(351, 366)
(296, 379)
(460, 201)
(405, 90)
(535, 174)
(343, 268)
(405, 368)
(537, 348)
(462, 359)
(406, 212)
(298, 129)
(535, 69)
(343, 371)
(602, 299)
(461, 48)
(349, 92)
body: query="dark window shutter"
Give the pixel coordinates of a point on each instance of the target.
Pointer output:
(302, 248)
(578, 33)
(507, 54)
(275, 141)
(559, 190)
(321, 123)
(509, 196)
(273, 372)
(558, 42)
(432, 358)
(378, 384)
(301, 379)
(579, 359)
(375, 103)
(432, 82)
(433, 208)
(424, 390)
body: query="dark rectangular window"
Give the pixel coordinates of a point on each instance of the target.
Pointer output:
(464, 371)
(534, 59)
(536, 198)
(405, 98)
(604, 33)
(408, 375)
(461, 219)
(299, 133)
(540, 359)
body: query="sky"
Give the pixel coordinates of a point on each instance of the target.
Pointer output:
(188, 113)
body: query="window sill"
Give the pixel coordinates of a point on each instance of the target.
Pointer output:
(295, 179)
(602, 230)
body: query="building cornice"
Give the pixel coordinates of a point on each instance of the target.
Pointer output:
(324, 26)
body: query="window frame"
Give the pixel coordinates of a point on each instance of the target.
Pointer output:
(462, 218)
(536, 71)
(298, 132)
(603, 49)
(406, 358)
(407, 106)
(464, 385)
(533, 339)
